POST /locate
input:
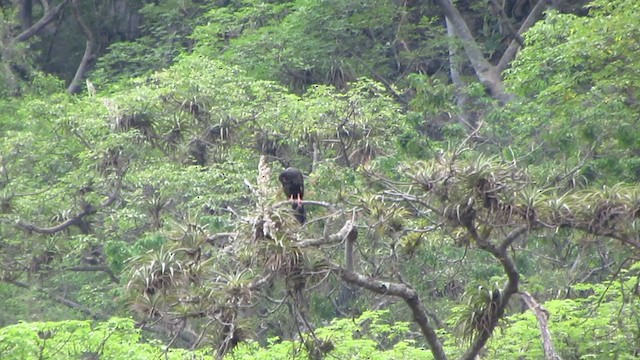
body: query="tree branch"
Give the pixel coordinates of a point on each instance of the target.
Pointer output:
(348, 230)
(104, 269)
(89, 210)
(514, 46)
(542, 316)
(510, 288)
(49, 15)
(74, 86)
(625, 238)
(407, 294)
(488, 74)
(513, 236)
(305, 202)
(346, 293)
(59, 299)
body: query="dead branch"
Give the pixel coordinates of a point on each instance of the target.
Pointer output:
(306, 202)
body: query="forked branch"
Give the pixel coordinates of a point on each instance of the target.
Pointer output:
(410, 297)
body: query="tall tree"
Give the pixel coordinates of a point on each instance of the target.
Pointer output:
(488, 74)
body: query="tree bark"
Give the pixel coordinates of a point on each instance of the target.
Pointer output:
(74, 86)
(48, 16)
(76, 220)
(542, 316)
(407, 294)
(347, 293)
(512, 50)
(488, 74)
(469, 119)
(26, 19)
(510, 288)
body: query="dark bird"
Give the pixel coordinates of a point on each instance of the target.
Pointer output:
(293, 186)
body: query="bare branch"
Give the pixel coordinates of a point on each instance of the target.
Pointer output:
(76, 220)
(306, 202)
(542, 315)
(49, 15)
(87, 210)
(513, 47)
(513, 236)
(74, 86)
(407, 294)
(348, 230)
(488, 74)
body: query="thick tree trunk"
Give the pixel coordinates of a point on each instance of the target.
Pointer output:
(512, 50)
(83, 67)
(26, 19)
(75, 85)
(488, 74)
(467, 117)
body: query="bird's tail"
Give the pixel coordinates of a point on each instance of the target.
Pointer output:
(299, 212)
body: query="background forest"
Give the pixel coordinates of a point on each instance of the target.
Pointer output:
(472, 179)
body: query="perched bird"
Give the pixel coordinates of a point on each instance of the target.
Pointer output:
(293, 186)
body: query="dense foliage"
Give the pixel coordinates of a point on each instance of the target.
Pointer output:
(598, 325)
(461, 201)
